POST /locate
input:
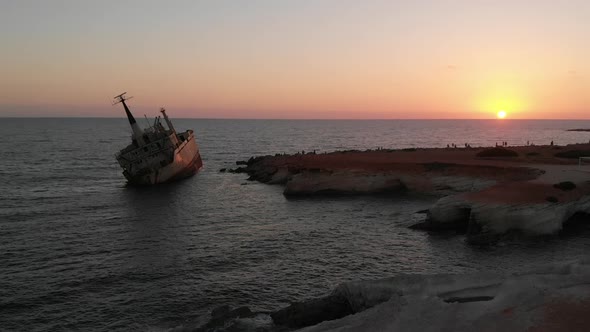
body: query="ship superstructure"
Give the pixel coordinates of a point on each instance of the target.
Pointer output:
(157, 154)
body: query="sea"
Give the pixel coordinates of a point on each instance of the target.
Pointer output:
(81, 251)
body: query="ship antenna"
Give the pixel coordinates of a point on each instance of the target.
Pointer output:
(148, 122)
(121, 99)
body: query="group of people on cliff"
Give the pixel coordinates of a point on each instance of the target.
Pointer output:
(454, 146)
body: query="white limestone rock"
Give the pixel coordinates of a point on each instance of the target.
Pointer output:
(531, 219)
(477, 302)
(448, 213)
(281, 176)
(342, 182)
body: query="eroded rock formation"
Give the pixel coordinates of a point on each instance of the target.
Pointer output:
(551, 298)
(533, 191)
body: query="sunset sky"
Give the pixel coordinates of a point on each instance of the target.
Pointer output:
(297, 59)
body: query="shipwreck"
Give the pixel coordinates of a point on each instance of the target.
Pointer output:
(157, 154)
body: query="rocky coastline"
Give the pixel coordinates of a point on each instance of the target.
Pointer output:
(549, 298)
(485, 193)
(553, 297)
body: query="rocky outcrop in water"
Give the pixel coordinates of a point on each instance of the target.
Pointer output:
(579, 129)
(485, 222)
(484, 193)
(308, 179)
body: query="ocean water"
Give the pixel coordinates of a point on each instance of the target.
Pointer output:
(81, 251)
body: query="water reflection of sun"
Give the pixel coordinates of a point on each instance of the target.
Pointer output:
(501, 114)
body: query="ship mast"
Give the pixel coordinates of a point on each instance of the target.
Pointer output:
(137, 132)
(168, 122)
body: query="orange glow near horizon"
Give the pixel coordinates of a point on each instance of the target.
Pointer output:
(350, 60)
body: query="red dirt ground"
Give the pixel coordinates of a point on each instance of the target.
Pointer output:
(512, 173)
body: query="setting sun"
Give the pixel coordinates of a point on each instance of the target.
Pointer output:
(501, 114)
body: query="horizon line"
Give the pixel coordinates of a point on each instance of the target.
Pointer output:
(301, 119)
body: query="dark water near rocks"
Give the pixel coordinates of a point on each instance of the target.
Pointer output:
(81, 251)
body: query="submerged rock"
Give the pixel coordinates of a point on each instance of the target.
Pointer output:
(312, 312)
(223, 318)
(220, 311)
(237, 170)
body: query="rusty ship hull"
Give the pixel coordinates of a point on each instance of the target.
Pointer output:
(187, 162)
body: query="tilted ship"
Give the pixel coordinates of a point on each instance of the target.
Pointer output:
(157, 154)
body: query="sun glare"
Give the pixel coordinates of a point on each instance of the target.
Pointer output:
(501, 114)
